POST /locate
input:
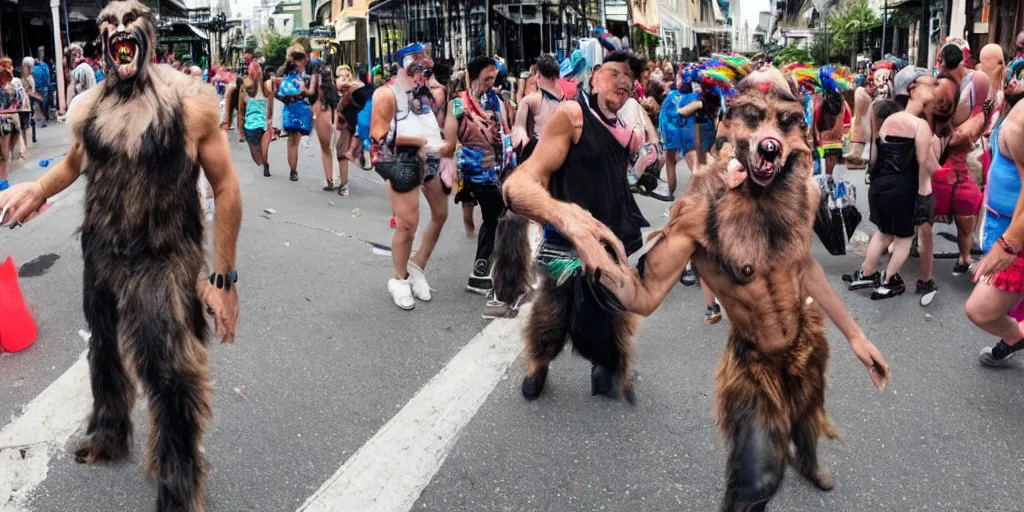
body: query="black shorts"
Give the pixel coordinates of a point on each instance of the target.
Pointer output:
(26, 119)
(924, 210)
(404, 171)
(254, 136)
(892, 208)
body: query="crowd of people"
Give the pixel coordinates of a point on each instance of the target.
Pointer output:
(567, 146)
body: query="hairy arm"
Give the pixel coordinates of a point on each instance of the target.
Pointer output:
(526, 193)
(816, 284)
(662, 268)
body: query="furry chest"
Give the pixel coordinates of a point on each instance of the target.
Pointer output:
(141, 196)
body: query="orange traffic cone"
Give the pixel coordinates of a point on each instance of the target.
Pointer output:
(17, 329)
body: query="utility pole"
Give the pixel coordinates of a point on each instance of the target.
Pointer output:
(885, 19)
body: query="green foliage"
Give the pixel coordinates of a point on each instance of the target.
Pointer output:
(275, 49)
(817, 52)
(252, 45)
(645, 43)
(791, 54)
(845, 25)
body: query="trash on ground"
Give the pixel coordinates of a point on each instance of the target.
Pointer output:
(356, 212)
(269, 210)
(242, 392)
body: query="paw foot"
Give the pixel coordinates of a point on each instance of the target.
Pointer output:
(93, 452)
(534, 385)
(822, 478)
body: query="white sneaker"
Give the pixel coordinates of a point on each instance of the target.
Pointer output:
(418, 281)
(401, 292)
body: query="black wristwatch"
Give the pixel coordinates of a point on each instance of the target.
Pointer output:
(224, 281)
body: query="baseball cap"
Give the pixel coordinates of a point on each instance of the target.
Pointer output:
(907, 76)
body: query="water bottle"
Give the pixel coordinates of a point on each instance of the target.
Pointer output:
(307, 146)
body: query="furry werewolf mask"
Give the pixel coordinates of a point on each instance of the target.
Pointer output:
(768, 129)
(128, 36)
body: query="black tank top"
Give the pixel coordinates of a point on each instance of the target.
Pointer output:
(594, 177)
(896, 160)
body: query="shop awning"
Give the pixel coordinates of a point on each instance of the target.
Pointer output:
(645, 15)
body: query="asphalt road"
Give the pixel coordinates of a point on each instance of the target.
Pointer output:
(324, 360)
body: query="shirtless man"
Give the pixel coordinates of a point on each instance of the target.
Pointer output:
(961, 115)
(860, 136)
(536, 108)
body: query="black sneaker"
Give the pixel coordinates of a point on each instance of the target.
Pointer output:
(859, 281)
(480, 280)
(894, 287)
(689, 277)
(961, 268)
(266, 171)
(713, 314)
(927, 291)
(1000, 354)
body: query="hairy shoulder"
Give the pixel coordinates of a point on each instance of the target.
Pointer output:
(688, 215)
(81, 108)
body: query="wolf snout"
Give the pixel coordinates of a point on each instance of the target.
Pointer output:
(769, 148)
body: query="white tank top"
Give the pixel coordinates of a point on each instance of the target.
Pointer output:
(415, 117)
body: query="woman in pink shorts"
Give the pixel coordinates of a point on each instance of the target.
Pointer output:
(958, 197)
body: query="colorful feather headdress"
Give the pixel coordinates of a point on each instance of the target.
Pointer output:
(822, 79)
(719, 75)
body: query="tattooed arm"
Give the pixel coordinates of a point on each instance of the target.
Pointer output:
(526, 193)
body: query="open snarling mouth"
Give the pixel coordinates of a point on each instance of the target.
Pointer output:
(124, 49)
(764, 169)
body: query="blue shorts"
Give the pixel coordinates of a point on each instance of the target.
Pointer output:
(707, 138)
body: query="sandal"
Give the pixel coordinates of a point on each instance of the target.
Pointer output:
(343, 190)
(330, 186)
(294, 176)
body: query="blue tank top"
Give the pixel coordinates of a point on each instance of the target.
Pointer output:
(1003, 189)
(1003, 179)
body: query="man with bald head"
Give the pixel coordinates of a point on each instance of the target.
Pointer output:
(991, 63)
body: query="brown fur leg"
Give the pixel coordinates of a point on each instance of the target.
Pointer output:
(160, 330)
(626, 325)
(108, 437)
(546, 333)
(754, 420)
(811, 423)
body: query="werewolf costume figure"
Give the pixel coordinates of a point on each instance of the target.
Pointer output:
(140, 138)
(746, 223)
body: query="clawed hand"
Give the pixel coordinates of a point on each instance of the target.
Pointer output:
(597, 245)
(223, 306)
(878, 369)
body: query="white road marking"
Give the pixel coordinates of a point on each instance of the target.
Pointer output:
(389, 472)
(29, 442)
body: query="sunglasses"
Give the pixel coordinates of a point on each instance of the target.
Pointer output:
(298, 56)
